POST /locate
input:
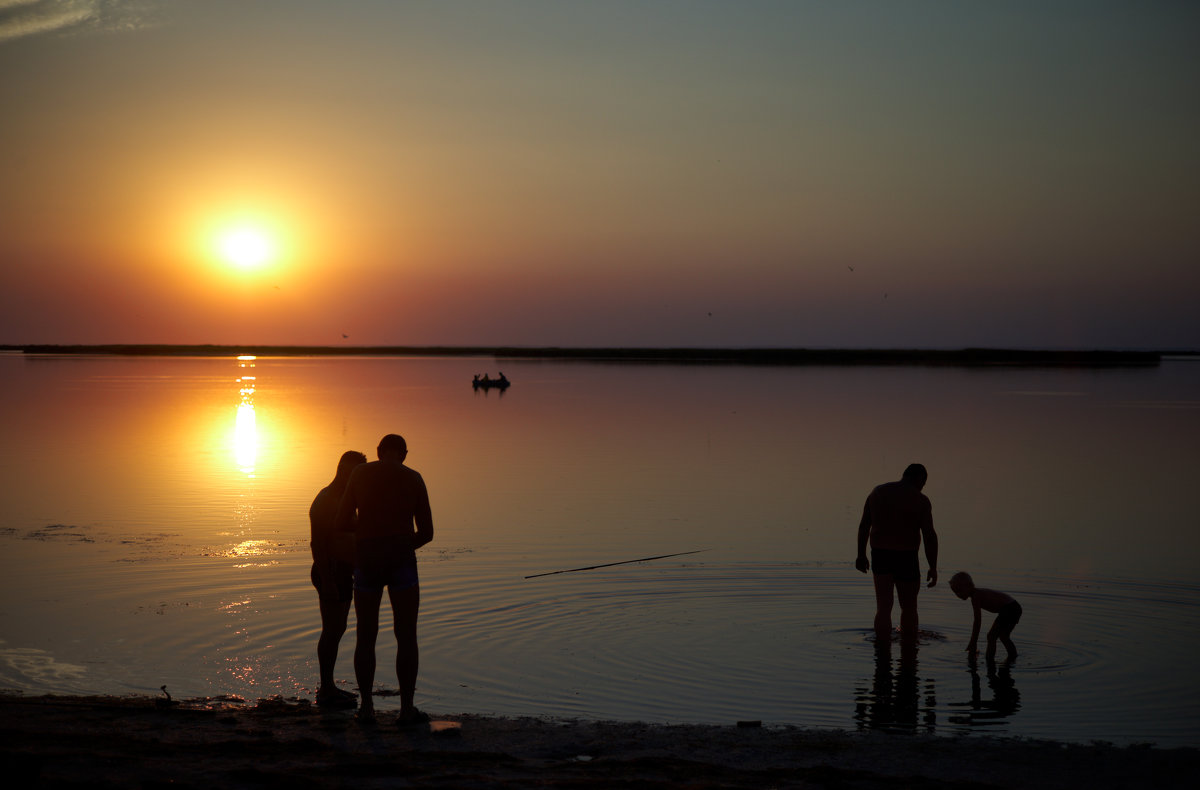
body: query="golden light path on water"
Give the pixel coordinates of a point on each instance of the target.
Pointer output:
(245, 429)
(249, 551)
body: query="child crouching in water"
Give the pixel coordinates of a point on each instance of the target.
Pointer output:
(1008, 614)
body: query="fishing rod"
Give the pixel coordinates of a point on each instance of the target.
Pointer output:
(610, 564)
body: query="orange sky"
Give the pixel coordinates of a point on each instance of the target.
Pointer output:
(626, 173)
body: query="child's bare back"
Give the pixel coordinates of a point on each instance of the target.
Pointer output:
(991, 600)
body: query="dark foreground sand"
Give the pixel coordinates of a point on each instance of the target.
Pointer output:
(136, 742)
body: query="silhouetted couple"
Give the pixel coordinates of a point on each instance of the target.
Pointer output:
(366, 527)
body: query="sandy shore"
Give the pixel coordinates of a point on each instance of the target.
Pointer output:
(138, 742)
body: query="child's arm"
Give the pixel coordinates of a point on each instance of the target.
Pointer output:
(972, 646)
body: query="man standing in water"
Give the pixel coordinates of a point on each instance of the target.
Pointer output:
(333, 576)
(896, 516)
(393, 521)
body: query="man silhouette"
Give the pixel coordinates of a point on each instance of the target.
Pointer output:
(393, 521)
(895, 518)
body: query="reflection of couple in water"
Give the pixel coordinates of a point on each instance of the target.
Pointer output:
(366, 527)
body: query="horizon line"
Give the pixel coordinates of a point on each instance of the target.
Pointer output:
(749, 354)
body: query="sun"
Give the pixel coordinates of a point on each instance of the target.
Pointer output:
(246, 248)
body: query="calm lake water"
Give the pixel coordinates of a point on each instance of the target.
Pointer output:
(154, 531)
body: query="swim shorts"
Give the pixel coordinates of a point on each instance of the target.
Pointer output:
(900, 565)
(334, 581)
(396, 577)
(1008, 617)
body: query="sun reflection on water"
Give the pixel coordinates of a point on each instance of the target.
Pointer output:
(254, 552)
(246, 445)
(245, 430)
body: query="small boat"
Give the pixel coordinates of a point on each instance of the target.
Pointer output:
(486, 383)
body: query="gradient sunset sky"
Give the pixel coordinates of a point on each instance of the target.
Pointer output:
(801, 174)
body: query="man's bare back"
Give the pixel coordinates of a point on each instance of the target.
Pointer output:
(899, 513)
(390, 498)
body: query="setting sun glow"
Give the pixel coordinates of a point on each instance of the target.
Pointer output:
(246, 248)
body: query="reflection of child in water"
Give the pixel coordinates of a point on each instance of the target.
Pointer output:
(1007, 610)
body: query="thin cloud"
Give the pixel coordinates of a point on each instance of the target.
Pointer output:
(21, 18)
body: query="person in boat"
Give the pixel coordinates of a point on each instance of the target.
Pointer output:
(333, 575)
(393, 520)
(503, 379)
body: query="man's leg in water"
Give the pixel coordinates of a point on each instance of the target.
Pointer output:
(366, 614)
(405, 605)
(906, 592)
(333, 627)
(883, 606)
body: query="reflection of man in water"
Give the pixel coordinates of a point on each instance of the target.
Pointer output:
(394, 520)
(895, 518)
(333, 576)
(896, 699)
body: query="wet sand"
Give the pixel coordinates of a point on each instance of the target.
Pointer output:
(141, 742)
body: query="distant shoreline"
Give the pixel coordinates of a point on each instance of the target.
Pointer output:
(969, 357)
